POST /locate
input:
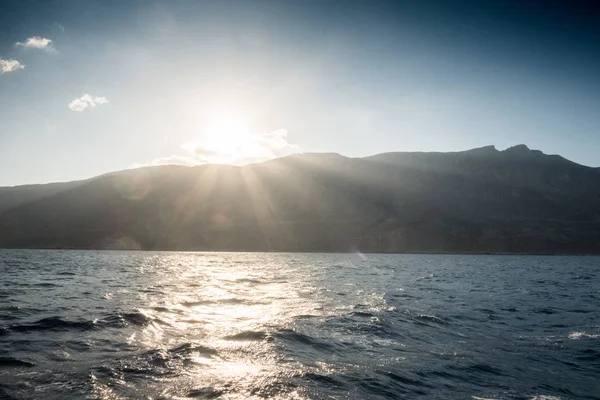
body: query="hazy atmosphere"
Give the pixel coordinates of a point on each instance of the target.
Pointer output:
(88, 87)
(299, 200)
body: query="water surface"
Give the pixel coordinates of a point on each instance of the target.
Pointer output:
(152, 325)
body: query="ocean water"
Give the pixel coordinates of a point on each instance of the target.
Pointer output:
(154, 325)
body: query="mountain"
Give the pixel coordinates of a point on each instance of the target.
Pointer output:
(481, 200)
(11, 197)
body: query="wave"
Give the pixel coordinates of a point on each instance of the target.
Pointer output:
(121, 319)
(247, 280)
(363, 314)
(249, 336)
(545, 310)
(164, 309)
(206, 393)
(306, 316)
(581, 335)
(580, 311)
(286, 335)
(151, 364)
(296, 337)
(14, 362)
(53, 324)
(56, 323)
(230, 300)
(136, 318)
(430, 318)
(190, 348)
(45, 284)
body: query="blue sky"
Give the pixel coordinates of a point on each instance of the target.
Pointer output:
(95, 86)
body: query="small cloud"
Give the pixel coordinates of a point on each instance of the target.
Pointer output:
(36, 42)
(278, 143)
(257, 148)
(85, 101)
(198, 151)
(59, 26)
(10, 66)
(172, 160)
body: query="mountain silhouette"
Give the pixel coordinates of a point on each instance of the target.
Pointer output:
(476, 201)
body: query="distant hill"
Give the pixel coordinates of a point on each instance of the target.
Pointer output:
(481, 200)
(11, 197)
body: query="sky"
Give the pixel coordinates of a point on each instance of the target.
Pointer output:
(89, 86)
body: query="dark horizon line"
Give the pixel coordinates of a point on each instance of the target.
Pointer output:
(409, 253)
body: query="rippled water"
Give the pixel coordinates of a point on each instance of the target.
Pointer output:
(109, 325)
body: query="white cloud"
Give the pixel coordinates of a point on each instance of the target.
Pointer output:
(257, 148)
(10, 66)
(85, 101)
(59, 26)
(172, 160)
(37, 42)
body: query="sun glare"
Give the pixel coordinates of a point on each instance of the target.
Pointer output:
(226, 132)
(224, 137)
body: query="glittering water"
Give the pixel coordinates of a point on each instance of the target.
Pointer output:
(110, 325)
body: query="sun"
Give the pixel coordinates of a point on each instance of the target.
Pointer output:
(225, 132)
(227, 137)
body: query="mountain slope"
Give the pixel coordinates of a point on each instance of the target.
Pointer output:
(11, 197)
(481, 200)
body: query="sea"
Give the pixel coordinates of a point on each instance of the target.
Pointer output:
(186, 325)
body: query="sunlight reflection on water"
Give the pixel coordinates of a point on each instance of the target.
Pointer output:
(116, 325)
(232, 311)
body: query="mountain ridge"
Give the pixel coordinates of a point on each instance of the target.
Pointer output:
(482, 149)
(481, 200)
